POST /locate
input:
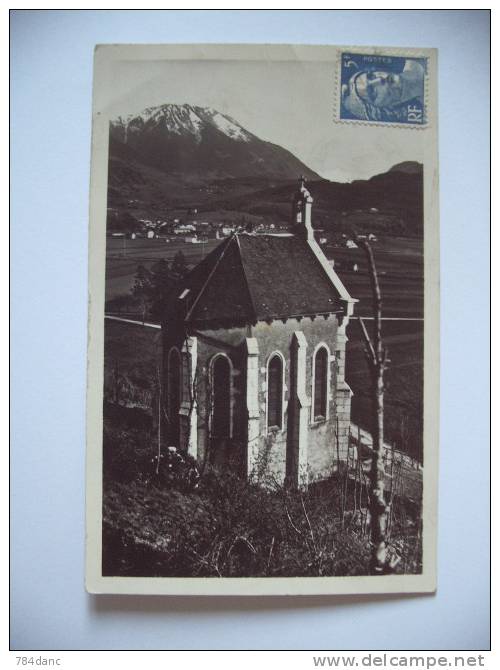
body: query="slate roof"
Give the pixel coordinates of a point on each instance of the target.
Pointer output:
(248, 278)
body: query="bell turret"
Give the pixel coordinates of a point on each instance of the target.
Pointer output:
(301, 213)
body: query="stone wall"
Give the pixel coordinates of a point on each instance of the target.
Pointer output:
(273, 455)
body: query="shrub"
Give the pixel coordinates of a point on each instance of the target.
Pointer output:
(126, 443)
(174, 469)
(227, 527)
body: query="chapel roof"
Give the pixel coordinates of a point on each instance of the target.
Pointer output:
(248, 278)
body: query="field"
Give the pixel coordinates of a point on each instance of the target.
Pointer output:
(399, 264)
(124, 255)
(131, 357)
(133, 348)
(400, 267)
(403, 398)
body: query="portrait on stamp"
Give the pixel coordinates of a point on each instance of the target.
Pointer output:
(262, 410)
(387, 89)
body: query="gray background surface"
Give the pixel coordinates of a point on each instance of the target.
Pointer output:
(51, 79)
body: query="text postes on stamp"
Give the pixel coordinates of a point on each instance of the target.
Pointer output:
(381, 88)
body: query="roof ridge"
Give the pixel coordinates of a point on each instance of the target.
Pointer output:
(333, 277)
(210, 275)
(247, 284)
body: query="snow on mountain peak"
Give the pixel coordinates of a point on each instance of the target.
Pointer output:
(183, 120)
(230, 127)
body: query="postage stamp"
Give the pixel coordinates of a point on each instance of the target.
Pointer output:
(387, 89)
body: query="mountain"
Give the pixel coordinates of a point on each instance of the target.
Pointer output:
(407, 167)
(172, 160)
(388, 203)
(199, 143)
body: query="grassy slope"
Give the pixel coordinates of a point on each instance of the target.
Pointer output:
(226, 528)
(131, 358)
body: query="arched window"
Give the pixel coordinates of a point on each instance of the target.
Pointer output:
(275, 392)
(174, 394)
(221, 397)
(320, 384)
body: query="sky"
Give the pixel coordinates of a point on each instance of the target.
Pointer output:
(287, 102)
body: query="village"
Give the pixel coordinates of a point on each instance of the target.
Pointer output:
(185, 223)
(185, 228)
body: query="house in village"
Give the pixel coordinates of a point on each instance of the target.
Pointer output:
(254, 344)
(183, 228)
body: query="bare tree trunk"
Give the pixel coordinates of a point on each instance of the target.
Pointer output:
(159, 420)
(376, 356)
(116, 384)
(339, 476)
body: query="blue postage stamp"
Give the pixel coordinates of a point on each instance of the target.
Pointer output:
(383, 89)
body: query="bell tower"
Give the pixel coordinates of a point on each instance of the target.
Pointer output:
(301, 212)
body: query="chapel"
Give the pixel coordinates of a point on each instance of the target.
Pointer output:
(254, 341)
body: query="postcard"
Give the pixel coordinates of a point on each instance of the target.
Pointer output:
(263, 335)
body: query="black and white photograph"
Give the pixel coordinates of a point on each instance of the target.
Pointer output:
(262, 392)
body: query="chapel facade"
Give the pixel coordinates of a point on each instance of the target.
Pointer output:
(254, 342)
